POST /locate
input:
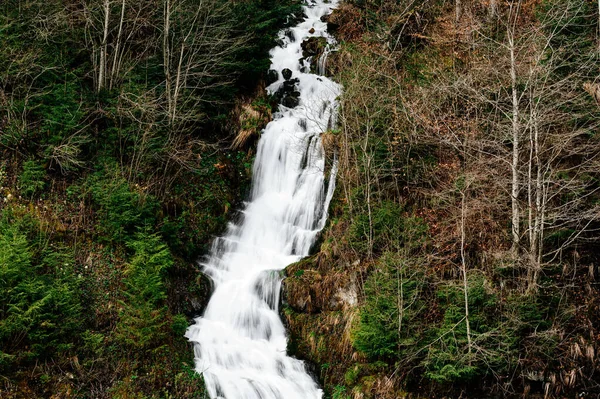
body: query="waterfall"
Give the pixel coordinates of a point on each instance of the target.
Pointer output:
(240, 341)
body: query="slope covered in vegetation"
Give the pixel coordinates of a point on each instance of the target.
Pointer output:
(116, 172)
(461, 257)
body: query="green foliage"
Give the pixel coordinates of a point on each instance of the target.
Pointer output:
(40, 311)
(32, 180)
(389, 324)
(143, 317)
(179, 325)
(339, 392)
(449, 358)
(262, 19)
(351, 376)
(386, 228)
(121, 210)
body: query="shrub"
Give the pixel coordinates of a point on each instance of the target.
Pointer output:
(40, 311)
(389, 228)
(121, 210)
(32, 180)
(144, 316)
(389, 324)
(449, 358)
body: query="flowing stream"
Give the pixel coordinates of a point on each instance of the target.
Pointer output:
(240, 341)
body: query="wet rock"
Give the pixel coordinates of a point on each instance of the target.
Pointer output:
(289, 85)
(272, 76)
(311, 31)
(313, 47)
(288, 88)
(290, 101)
(332, 25)
(287, 74)
(298, 17)
(290, 35)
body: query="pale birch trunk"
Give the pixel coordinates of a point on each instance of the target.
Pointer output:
(463, 210)
(104, 47)
(493, 10)
(516, 148)
(116, 58)
(167, 56)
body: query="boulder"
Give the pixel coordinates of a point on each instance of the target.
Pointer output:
(290, 101)
(289, 85)
(272, 76)
(287, 73)
(332, 25)
(288, 88)
(313, 47)
(290, 35)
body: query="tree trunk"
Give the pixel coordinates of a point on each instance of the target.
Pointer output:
(167, 56)
(494, 8)
(116, 58)
(104, 47)
(516, 149)
(463, 211)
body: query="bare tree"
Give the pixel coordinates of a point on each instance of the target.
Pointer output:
(197, 46)
(104, 46)
(114, 38)
(513, 14)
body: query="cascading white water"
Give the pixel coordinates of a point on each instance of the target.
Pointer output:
(240, 341)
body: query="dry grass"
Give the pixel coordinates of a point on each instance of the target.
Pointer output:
(248, 121)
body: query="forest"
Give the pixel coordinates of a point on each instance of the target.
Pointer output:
(460, 258)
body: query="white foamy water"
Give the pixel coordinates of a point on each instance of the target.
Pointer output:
(240, 341)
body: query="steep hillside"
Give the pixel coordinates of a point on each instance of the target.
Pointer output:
(116, 172)
(461, 257)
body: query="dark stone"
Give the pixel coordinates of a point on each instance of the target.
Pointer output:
(290, 101)
(331, 26)
(290, 35)
(313, 47)
(297, 17)
(272, 76)
(311, 31)
(287, 73)
(287, 88)
(289, 85)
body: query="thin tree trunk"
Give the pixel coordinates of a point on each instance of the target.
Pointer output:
(530, 193)
(104, 47)
(367, 158)
(516, 149)
(494, 7)
(178, 83)
(400, 282)
(463, 211)
(116, 62)
(167, 55)
(536, 245)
